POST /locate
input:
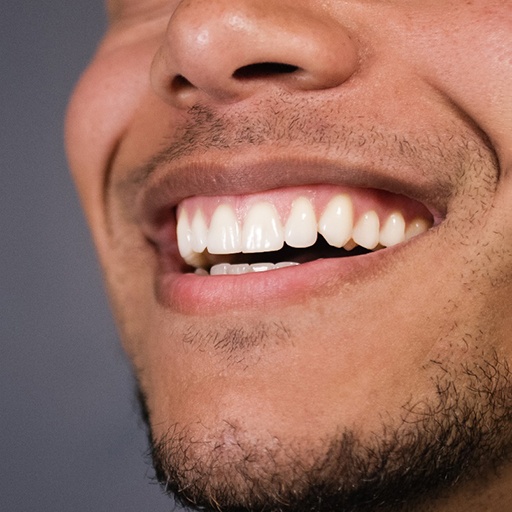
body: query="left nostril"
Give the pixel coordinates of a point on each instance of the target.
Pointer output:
(264, 69)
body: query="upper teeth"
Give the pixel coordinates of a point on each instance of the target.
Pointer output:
(260, 228)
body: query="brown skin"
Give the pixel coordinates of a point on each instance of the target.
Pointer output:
(436, 74)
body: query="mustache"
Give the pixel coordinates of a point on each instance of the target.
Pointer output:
(443, 154)
(272, 123)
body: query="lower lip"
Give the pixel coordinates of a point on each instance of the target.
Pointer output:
(194, 294)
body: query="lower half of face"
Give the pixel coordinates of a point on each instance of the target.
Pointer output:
(332, 381)
(313, 273)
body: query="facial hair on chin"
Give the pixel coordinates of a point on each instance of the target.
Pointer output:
(462, 433)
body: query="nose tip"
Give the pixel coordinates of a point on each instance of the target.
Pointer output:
(223, 51)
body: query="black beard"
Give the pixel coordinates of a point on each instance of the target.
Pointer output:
(464, 433)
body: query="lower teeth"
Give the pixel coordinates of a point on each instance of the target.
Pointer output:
(223, 269)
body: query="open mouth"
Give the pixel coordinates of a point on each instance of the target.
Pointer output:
(233, 235)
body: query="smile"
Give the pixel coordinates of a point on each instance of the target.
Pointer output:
(233, 235)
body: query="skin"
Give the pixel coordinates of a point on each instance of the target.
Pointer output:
(412, 97)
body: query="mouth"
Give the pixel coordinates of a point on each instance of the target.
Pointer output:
(285, 227)
(234, 235)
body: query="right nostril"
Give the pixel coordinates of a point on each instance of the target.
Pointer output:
(263, 69)
(179, 83)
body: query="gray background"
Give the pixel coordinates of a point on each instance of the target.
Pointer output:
(70, 436)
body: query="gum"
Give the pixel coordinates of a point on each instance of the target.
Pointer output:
(363, 200)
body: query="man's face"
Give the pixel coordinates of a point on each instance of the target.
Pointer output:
(371, 142)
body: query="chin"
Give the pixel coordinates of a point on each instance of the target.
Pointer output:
(232, 445)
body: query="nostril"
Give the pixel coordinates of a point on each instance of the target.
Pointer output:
(263, 70)
(179, 84)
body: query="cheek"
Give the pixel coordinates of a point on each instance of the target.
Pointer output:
(477, 82)
(100, 111)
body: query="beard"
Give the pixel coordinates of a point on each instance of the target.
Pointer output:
(462, 433)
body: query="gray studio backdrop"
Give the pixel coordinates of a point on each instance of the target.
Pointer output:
(70, 438)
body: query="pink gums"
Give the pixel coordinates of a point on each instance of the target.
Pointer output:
(363, 200)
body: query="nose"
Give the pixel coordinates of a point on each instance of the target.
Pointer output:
(224, 50)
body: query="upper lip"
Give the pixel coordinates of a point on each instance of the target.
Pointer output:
(169, 183)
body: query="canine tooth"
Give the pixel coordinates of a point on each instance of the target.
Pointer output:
(220, 269)
(416, 227)
(393, 231)
(262, 230)
(224, 232)
(184, 236)
(301, 227)
(366, 230)
(336, 222)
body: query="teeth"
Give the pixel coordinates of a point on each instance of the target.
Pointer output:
(220, 269)
(301, 228)
(262, 267)
(199, 237)
(223, 269)
(350, 245)
(416, 227)
(184, 235)
(336, 223)
(284, 264)
(393, 231)
(262, 231)
(224, 233)
(240, 268)
(366, 231)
